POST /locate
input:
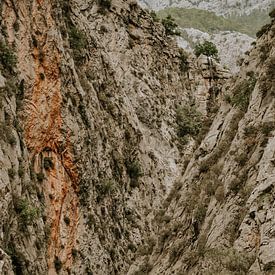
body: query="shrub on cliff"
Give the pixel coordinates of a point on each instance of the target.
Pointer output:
(170, 25)
(154, 16)
(105, 188)
(272, 13)
(7, 57)
(77, 39)
(78, 42)
(48, 163)
(27, 212)
(263, 30)
(104, 5)
(188, 120)
(57, 264)
(183, 61)
(207, 48)
(134, 171)
(242, 92)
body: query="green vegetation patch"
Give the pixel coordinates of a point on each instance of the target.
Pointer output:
(170, 26)
(189, 121)
(207, 48)
(27, 213)
(7, 57)
(242, 92)
(78, 43)
(230, 259)
(134, 171)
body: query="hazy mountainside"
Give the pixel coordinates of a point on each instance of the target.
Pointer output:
(232, 35)
(213, 20)
(220, 7)
(209, 22)
(121, 154)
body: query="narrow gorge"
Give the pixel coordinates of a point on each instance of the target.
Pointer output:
(122, 154)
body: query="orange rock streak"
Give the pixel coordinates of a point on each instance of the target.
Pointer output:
(42, 125)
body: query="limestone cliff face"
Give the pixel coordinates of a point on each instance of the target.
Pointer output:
(89, 142)
(219, 219)
(97, 110)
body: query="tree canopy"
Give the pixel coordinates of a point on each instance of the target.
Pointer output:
(207, 48)
(170, 25)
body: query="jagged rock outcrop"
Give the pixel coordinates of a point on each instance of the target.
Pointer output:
(207, 78)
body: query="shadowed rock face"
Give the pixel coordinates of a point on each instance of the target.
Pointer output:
(100, 143)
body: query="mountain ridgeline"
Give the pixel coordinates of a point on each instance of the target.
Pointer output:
(220, 7)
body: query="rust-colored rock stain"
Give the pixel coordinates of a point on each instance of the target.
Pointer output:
(42, 126)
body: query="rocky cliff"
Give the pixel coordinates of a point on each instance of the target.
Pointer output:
(89, 138)
(219, 218)
(100, 115)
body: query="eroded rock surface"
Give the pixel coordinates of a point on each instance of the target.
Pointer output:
(119, 153)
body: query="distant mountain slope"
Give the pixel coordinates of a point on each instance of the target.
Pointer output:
(208, 21)
(232, 46)
(220, 7)
(232, 35)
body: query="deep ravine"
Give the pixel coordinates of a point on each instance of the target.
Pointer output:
(120, 154)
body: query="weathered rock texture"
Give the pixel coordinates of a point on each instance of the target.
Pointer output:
(219, 219)
(91, 145)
